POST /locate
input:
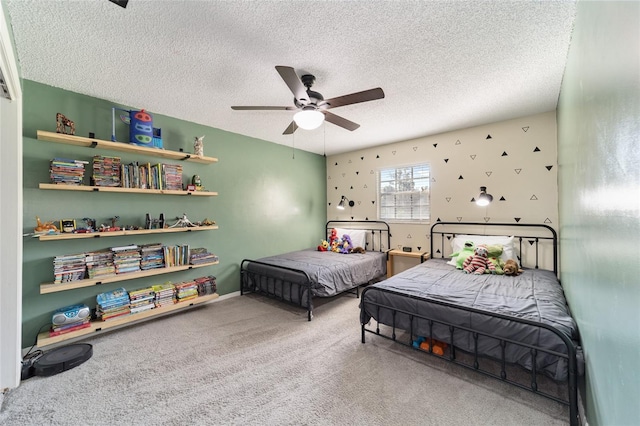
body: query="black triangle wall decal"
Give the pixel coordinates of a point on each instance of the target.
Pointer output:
(549, 167)
(489, 137)
(536, 150)
(517, 219)
(504, 154)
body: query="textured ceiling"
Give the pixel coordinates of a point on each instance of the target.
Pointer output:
(443, 65)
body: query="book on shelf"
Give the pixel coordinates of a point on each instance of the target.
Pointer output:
(57, 332)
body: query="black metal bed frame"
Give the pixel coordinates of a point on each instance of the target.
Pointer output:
(302, 284)
(535, 351)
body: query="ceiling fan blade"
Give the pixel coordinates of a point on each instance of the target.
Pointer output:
(354, 98)
(263, 108)
(290, 77)
(292, 128)
(340, 121)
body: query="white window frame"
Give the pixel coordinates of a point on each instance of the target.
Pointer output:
(414, 187)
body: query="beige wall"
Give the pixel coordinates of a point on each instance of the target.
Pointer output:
(516, 160)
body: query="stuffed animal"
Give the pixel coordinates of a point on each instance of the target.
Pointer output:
(346, 245)
(464, 253)
(335, 246)
(324, 245)
(512, 268)
(334, 235)
(494, 251)
(479, 262)
(358, 250)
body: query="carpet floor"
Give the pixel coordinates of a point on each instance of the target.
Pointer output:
(250, 360)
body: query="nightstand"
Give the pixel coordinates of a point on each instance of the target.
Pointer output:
(395, 252)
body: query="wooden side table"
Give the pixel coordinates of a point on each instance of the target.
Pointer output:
(395, 252)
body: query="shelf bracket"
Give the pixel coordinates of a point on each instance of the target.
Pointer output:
(99, 283)
(187, 157)
(93, 144)
(96, 189)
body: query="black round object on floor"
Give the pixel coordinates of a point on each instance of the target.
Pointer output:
(62, 359)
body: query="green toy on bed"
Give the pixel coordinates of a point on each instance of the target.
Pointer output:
(493, 251)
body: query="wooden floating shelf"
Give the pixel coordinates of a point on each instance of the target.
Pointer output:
(71, 285)
(86, 188)
(96, 326)
(71, 236)
(122, 147)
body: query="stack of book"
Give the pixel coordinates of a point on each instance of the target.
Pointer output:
(112, 304)
(69, 267)
(176, 255)
(186, 291)
(126, 258)
(100, 263)
(152, 256)
(106, 171)
(198, 256)
(164, 294)
(67, 172)
(173, 176)
(206, 285)
(134, 176)
(141, 300)
(72, 321)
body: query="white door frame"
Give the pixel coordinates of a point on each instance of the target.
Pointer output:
(11, 227)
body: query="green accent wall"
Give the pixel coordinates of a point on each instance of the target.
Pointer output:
(599, 203)
(268, 202)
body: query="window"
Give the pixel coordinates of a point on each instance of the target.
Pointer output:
(403, 193)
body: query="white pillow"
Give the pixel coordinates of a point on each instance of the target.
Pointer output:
(508, 248)
(358, 236)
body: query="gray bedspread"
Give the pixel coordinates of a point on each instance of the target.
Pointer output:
(331, 273)
(535, 295)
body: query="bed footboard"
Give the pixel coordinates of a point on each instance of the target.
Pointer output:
(285, 284)
(401, 326)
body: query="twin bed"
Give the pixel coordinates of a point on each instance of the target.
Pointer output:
(297, 277)
(488, 323)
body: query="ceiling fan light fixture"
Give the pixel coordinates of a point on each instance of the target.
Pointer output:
(308, 119)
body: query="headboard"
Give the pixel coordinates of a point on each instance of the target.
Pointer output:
(378, 234)
(536, 244)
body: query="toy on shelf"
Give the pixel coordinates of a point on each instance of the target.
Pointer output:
(183, 222)
(112, 227)
(198, 146)
(67, 225)
(208, 222)
(91, 226)
(45, 228)
(150, 223)
(141, 130)
(197, 182)
(62, 123)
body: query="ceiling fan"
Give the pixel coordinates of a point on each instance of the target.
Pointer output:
(312, 106)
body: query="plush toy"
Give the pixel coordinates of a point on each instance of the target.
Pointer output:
(494, 251)
(437, 348)
(335, 246)
(479, 262)
(464, 253)
(334, 236)
(358, 250)
(511, 267)
(346, 245)
(324, 246)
